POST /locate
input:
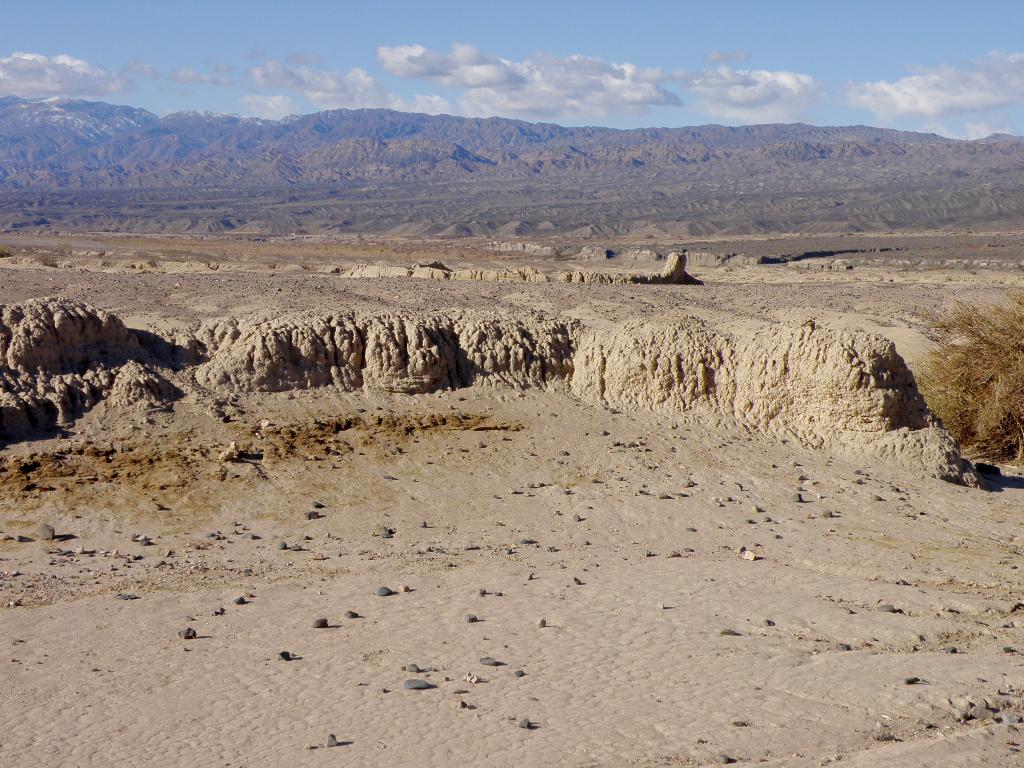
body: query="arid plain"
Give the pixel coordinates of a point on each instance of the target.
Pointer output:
(619, 521)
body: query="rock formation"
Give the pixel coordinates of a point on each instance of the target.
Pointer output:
(840, 391)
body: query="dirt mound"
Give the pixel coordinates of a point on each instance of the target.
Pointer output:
(673, 273)
(59, 358)
(840, 391)
(384, 352)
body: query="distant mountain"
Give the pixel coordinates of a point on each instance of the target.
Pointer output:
(707, 174)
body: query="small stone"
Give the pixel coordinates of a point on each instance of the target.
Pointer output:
(320, 624)
(239, 601)
(285, 656)
(187, 633)
(724, 760)
(384, 592)
(887, 608)
(730, 633)
(416, 684)
(489, 661)
(471, 618)
(405, 588)
(519, 673)
(542, 623)
(313, 515)
(332, 740)
(351, 615)
(576, 518)
(911, 680)
(281, 545)
(413, 668)
(319, 505)
(525, 723)
(44, 532)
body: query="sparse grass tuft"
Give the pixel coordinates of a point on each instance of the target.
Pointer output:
(974, 377)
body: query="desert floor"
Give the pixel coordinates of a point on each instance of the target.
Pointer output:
(602, 554)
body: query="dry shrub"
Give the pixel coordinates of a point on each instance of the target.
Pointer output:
(974, 377)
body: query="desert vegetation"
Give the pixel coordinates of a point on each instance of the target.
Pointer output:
(974, 376)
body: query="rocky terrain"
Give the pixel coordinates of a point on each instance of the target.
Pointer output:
(76, 165)
(331, 507)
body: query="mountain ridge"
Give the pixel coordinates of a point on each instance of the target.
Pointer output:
(82, 164)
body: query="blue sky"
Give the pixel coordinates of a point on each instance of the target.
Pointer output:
(952, 67)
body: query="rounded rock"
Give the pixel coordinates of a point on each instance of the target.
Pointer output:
(320, 623)
(384, 592)
(415, 684)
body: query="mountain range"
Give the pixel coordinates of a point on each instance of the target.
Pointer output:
(501, 175)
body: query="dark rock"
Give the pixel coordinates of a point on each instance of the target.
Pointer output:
(320, 624)
(187, 633)
(416, 684)
(384, 592)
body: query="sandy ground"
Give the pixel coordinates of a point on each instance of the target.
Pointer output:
(876, 621)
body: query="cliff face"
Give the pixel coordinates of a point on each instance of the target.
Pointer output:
(842, 392)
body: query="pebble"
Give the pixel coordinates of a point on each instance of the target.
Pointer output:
(282, 545)
(519, 673)
(285, 656)
(489, 661)
(471, 618)
(320, 624)
(332, 740)
(887, 608)
(239, 601)
(384, 592)
(542, 623)
(351, 615)
(187, 633)
(415, 684)
(45, 532)
(525, 723)
(724, 760)
(413, 668)
(730, 633)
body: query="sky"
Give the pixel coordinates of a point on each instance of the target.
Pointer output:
(953, 68)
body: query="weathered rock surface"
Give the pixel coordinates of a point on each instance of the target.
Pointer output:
(845, 392)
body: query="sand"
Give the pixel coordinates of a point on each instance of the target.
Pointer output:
(627, 532)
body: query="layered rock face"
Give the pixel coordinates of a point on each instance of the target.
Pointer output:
(844, 392)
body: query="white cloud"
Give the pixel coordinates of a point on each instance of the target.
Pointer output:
(327, 89)
(727, 57)
(32, 74)
(994, 81)
(142, 69)
(270, 106)
(333, 89)
(539, 86)
(192, 77)
(753, 95)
